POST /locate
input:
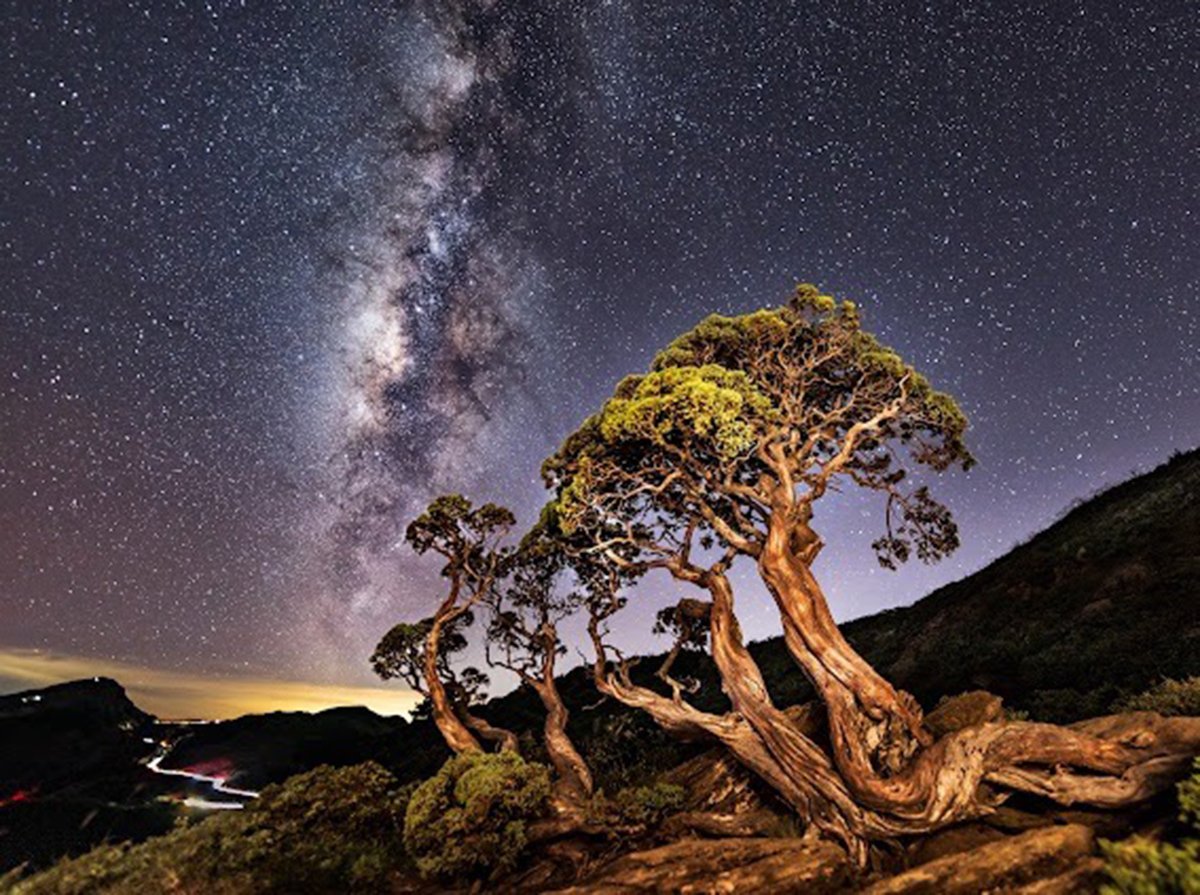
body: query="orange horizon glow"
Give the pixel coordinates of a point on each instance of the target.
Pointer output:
(177, 695)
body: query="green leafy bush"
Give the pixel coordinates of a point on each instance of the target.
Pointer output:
(1144, 867)
(329, 830)
(471, 819)
(1168, 697)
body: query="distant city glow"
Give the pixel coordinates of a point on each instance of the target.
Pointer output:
(173, 694)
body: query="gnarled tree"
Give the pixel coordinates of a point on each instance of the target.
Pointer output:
(721, 452)
(523, 638)
(400, 655)
(470, 539)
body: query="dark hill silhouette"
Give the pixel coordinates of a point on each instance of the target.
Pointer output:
(67, 731)
(272, 747)
(70, 772)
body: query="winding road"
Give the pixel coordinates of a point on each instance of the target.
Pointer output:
(216, 784)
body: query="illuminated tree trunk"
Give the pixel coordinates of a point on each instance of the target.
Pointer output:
(875, 729)
(445, 714)
(679, 718)
(760, 736)
(889, 764)
(827, 803)
(503, 738)
(573, 777)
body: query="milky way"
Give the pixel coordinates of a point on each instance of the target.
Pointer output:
(438, 307)
(277, 274)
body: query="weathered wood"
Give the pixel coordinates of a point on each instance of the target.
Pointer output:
(699, 867)
(1019, 860)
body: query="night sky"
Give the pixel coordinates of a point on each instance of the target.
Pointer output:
(275, 274)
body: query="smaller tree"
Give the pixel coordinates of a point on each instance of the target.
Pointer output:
(469, 538)
(687, 623)
(400, 655)
(523, 638)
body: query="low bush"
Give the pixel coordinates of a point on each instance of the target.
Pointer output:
(1168, 697)
(638, 806)
(1145, 867)
(329, 830)
(471, 819)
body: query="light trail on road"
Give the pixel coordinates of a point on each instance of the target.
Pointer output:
(216, 783)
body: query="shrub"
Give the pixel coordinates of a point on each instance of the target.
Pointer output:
(1143, 867)
(638, 806)
(1168, 697)
(470, 820)
(329, 830)
(625, 748)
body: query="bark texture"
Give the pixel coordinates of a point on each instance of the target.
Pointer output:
(446, 715)
(1015, 861)
(573, 778)
(800, 866)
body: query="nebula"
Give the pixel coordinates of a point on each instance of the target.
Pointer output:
(436, 306)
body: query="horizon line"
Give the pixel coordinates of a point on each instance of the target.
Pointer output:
(184, 696)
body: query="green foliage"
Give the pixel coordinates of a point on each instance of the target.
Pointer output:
(453, 527)
(719, 408)
(798, 393)
(1143, 867)
(626, 748)
(401, 653)
(638, 806)
(471, 819)
(1168, 697)
(329, 830)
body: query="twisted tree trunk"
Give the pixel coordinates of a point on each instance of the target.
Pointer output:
(827, 802)
(876, 729)
(573, 778)
(678, 717)
(906, 782)
(445, 712)
(501, 737)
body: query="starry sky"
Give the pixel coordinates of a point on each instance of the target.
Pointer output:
(277, 273)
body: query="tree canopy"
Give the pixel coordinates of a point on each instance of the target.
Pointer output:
(743, 416)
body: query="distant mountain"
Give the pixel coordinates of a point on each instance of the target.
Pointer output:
(62, 733)
(259, 749)
(71, 772)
